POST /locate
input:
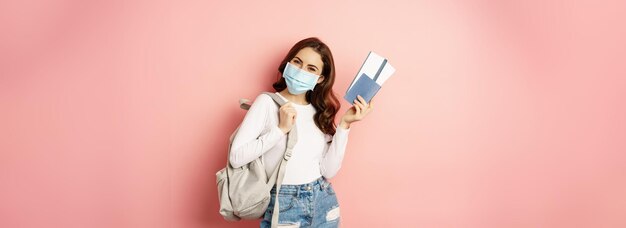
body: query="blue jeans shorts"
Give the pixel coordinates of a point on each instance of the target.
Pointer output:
(308, 205)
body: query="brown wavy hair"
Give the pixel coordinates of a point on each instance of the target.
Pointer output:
(322, 97)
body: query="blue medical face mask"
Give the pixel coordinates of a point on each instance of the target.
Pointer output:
(299, 81)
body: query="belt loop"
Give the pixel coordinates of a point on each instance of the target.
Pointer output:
(297, 192)
(320, 183)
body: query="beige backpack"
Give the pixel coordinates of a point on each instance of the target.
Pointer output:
(244, 192)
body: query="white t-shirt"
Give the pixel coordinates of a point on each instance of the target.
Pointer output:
(312, 156)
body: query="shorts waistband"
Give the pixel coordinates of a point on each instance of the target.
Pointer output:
(287, 189)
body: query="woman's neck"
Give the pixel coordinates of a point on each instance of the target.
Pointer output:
(297, 99)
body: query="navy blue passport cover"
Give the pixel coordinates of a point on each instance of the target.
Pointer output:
(364, 86)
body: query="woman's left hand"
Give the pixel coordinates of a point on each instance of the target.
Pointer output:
(357, 112)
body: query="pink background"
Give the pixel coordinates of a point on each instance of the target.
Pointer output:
(501, 113)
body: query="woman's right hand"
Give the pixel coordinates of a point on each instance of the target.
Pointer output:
(287, 117)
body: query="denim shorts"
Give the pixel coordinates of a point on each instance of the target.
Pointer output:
(308, 205)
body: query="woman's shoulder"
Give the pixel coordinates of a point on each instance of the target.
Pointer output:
(265, 101)
(263, 98)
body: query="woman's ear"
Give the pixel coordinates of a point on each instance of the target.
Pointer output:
(321, 79)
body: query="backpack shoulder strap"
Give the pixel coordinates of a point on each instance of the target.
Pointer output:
(277, 98)
(279, 173)
(245, 103)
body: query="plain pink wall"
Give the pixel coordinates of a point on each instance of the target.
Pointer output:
(501, 113)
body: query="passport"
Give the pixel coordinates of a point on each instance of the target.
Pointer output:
(370, 78)
(364, 86)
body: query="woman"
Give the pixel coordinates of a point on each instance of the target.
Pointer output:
(306, 198)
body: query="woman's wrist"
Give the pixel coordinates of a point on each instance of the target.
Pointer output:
(285, 131)
(343, 124)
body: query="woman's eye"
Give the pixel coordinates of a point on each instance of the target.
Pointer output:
(296, 61)
(311, 69)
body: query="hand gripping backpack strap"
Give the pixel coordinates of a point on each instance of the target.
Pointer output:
(292, 138)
